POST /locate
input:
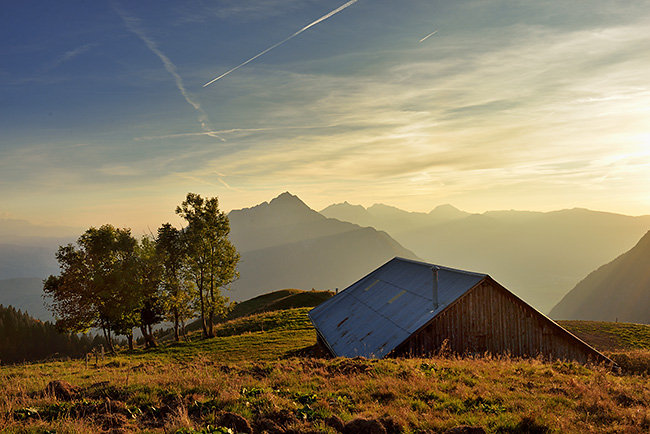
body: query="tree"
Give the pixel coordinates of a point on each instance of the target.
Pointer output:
(177, 290)
(95, 286)
(211, 257)
(149, 273)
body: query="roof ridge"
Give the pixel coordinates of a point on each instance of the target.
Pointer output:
(440, 267)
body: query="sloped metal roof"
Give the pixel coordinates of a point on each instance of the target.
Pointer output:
(373, 316)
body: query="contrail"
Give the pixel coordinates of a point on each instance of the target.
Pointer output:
(69, 55)
(323, 18)
(133, 24)
(430, 34)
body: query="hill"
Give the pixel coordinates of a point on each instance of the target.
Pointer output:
(256, 378)
(538, 256)
(282, 299)
(610, 336)
(286, 244)
(279, 300)
(619, 290)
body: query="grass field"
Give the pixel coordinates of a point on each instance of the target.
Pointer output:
(255, 376)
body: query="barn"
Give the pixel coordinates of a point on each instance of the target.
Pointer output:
(412, 308)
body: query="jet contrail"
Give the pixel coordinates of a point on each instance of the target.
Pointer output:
(430, 34)
(133, 24)
(323, 18)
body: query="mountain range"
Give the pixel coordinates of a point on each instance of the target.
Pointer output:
(538, 256)
(617, 291)
(284, 243)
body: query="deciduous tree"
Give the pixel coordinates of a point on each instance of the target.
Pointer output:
(211, 257)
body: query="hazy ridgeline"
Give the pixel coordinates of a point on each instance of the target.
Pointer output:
(285, 244)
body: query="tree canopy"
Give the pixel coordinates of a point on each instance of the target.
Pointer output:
(114, 282)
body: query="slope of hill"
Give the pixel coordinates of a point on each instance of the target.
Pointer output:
(250, 380)
(618, 290)
(286, 244)
(610, 336)
(279, 300)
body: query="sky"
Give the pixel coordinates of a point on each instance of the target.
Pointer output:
(106, 114)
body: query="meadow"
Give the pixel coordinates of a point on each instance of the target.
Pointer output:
(262, 373)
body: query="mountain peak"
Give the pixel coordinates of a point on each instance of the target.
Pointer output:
(289, 202)
(448, 212)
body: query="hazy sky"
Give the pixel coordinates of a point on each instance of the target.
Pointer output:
(104, 117)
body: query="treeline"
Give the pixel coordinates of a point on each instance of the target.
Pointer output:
(25, 339)
(114, 282)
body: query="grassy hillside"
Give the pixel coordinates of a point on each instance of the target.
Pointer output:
(255, 375)
(610, 336)
(277, 300)
(272, 301)
(264, 336)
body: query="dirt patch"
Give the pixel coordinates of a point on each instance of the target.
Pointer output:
(236, 422)
(391, 425)
(334, 422)
(465, 430)
(364, 426)
(358, 365)
(61, 390)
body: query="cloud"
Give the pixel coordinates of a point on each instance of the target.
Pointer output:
(133, 24)
(533, 106)
(308, 26)
(68, 55)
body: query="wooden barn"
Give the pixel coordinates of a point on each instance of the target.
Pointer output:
(411, 308)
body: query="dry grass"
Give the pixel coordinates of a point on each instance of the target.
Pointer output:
(415, 395)
(187, 388)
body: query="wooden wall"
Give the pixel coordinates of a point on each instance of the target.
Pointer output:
(489, 318)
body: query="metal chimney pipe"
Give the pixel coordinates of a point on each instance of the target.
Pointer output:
(435, 287)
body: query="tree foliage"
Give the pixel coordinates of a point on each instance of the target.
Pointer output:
(114, 282)
(25, 339)
(211, 258)
(97, 286)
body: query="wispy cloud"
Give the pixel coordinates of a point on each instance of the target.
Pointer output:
(321, 19)
(133, 24)
(68, 55)
(220, 133)
(468, 122)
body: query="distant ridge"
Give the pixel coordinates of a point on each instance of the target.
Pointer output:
(538, 255)
(286, 244)
(619, 290)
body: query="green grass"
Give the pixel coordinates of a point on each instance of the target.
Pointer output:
(278, 300)
(273, 301)
(254, 368)
(265, 336)
(610, 336)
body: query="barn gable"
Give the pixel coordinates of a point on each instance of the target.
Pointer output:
(408, 307)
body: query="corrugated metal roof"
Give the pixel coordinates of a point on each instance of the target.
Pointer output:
(374, 315)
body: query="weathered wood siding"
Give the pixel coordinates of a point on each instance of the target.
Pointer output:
(488, 318)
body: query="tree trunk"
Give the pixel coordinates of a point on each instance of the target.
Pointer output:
(129, 338)
(149, 340)
(177, 337)
(211, 310)
(205, 328)
(109, 340)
